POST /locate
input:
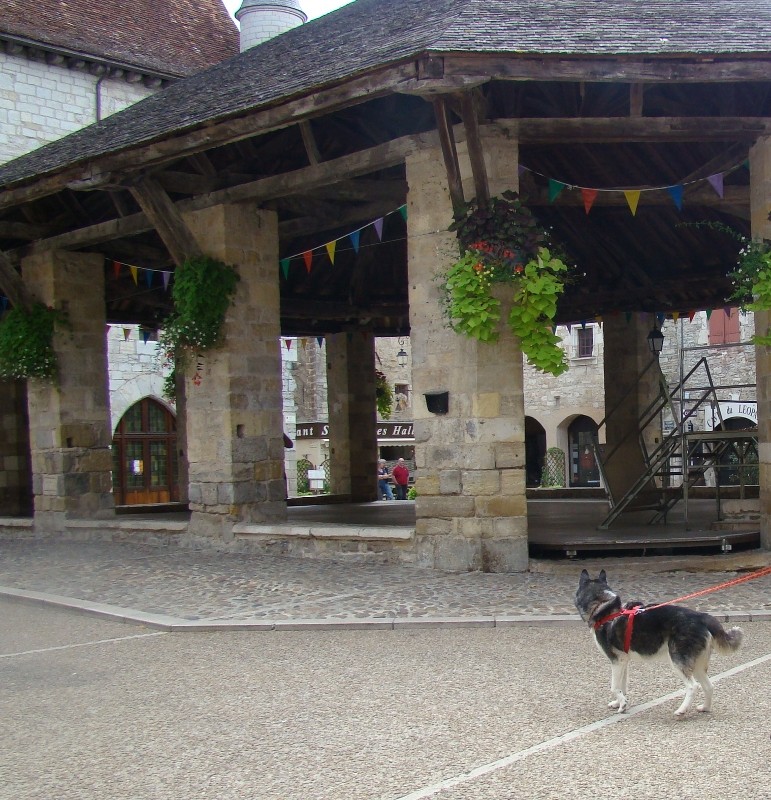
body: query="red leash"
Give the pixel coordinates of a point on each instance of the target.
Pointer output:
(631, 613)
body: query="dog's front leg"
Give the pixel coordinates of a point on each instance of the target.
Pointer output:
(618, 683)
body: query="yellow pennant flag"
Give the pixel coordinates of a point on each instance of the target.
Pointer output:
(675, 315)
(632, 198)
(331, 250)
(133, 271)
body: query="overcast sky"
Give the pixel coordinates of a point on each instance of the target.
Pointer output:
(313, 8)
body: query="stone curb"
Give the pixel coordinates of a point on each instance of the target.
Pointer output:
(180, 625)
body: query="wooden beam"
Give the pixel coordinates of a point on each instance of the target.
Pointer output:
(636, 91)
(166, 219)
(609, 69)
(11, 284)
(309, 140)
(475, 151)
(449, 153)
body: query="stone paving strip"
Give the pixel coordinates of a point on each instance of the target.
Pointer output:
(173, 588)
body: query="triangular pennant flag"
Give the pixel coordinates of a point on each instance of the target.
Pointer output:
(166, 279)
(520, 170)
(676, 192)
(583, 324)
(320, 340)
(285, 266)
(145, 335)
(304, 343)
(403, 211)
(660, 318)
(569, 326)
(589, 195)
(149, 277)
(716, 182)
(727, 310)
(116, 269)
(288, 344)
(378, 223)
(632, 198)
(675, 315)
(133, 271)
(331, 250)
(709, 313)
(354, 237)
(308, 258)
(555, 189)
(126, 334)
(691, 315)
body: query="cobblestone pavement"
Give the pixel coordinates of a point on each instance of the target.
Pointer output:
(204, 585)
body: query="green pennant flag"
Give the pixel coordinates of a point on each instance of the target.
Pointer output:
(555, 189)
(403, 211)
(285, 267)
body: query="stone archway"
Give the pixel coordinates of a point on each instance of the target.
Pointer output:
(583, 470)
(535, 451)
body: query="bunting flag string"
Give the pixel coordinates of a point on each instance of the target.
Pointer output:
(148, 274)
(331, 247)
(632, 194)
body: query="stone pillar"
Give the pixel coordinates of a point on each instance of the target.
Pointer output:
(70, 431)
(471, 510)
(760, 208)
(235, 446)
(628, 392)
(15, 470)
(352, 415)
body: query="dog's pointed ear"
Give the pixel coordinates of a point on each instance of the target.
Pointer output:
(584, 577)
(603, 577)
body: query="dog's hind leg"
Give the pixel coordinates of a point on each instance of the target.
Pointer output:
(700, 673)
(685, 671)
(619, 675)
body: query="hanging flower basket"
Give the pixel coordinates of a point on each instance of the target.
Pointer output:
(502, 243)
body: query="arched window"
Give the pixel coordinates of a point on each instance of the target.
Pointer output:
(582, 435)
(145, 455)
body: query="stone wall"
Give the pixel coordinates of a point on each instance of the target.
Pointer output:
(41, 101)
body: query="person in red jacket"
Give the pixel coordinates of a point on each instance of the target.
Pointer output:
(401, 477)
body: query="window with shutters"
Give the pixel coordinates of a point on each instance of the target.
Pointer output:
(724, 326)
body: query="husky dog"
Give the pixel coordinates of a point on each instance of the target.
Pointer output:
(685, 636)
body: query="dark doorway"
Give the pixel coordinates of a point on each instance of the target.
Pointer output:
(145, 456)
(535, 451)
(582, 435)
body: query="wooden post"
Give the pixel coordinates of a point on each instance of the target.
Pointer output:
(449, 153)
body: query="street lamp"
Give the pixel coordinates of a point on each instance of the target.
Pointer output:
(401, 356)
(655, 341)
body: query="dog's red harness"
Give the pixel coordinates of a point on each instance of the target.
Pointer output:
(630, 614)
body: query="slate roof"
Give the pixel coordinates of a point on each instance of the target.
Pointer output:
(369, 34)
(175, 37)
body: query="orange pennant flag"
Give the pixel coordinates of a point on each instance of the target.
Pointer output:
(134, 275)
(308, 258)
(331, 250)
(589, 195)
(116, 269)
(632, 198)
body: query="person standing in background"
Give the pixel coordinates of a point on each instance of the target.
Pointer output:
(383, 486)
(401, 476)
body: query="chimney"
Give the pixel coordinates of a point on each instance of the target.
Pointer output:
(263, 19)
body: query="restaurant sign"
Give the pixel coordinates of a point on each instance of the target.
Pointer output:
(385, 430)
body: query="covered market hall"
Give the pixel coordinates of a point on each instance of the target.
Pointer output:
(635, 132)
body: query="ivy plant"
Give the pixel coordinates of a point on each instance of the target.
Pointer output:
(384, 395)
(26, 342)
(202, 293)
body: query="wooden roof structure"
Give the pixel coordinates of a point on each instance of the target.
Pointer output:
(660, 97)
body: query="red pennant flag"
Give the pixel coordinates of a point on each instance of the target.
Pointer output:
(116, 269)
(589, 195)
(288, 344)
(691, 315)
(308, 258)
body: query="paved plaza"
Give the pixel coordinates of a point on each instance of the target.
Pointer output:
(174, 587)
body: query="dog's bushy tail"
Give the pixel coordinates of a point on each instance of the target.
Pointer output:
(726, 641)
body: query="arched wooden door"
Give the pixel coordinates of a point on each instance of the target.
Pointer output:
(145, 455)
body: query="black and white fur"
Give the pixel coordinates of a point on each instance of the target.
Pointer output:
(686, 636)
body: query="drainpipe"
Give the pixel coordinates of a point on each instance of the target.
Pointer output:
(98, 96)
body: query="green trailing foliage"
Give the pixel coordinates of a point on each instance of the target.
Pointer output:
(384, 395)
(26, 342)
(502, 243)
(202, 292)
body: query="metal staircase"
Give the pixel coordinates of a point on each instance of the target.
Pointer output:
(670, 467)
